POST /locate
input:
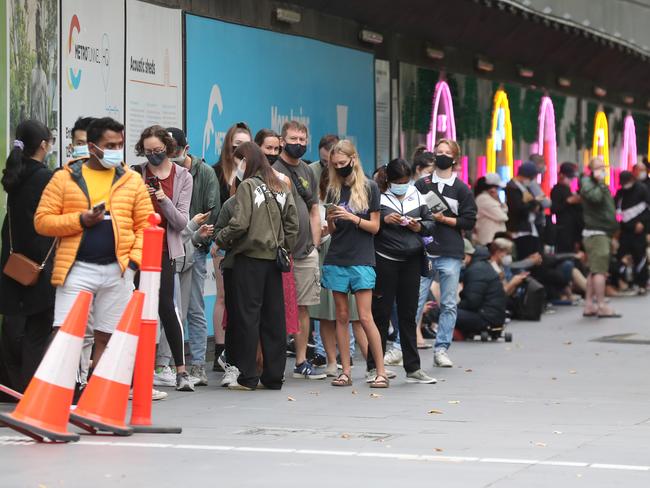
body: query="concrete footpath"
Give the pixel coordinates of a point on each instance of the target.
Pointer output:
(567, 403)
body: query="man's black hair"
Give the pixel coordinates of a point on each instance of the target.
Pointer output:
(97, 127)
(81, 123)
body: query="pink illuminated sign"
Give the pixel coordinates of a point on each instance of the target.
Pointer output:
(442, 115)
(547, 142)
(628, 153)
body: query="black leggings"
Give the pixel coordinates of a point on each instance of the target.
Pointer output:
(397, 281)
(167, 311)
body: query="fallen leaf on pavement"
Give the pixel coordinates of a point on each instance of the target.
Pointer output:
(354, 392)
(469, 370)
(314, 392)
(437, 449)
(558, 432)
(345, 436)
(437, 412)
(540, 444)
(291, 399)
(554, 378)
(573, 371)
(375, 395)
(453, 402)
(568, 343)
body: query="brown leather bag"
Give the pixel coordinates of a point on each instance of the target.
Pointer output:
(19, 267)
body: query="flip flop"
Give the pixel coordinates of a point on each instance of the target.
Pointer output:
(594, 314)
(610, 316)
(342, 380)
(380, 382)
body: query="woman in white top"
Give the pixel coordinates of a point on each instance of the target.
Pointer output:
(492, 213)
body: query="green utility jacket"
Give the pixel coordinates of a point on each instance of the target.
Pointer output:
(252, 231)
(598, 207)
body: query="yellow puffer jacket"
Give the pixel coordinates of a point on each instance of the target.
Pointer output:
(65, 198)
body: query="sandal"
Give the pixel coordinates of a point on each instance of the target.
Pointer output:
(380, 382)
(342, 380)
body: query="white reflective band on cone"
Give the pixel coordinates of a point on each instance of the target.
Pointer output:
(59, 366)
(150, 285)
(116, 364)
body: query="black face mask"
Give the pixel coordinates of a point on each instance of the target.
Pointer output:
(345, 171)
(156, 159)
(443, 161)
(271, 158)
(296, 151)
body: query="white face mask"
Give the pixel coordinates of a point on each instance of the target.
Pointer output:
(507, 260)
(599, 174)
(241, 169)
(643, 175)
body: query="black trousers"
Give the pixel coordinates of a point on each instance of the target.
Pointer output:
(227, 298)
(527, 245)
(167, 311)
(256, 313)
(635, 245)
(24, 341)
(397, 281)
(470, 323)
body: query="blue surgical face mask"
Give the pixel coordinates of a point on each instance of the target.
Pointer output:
(399, 189)
(80, 151)
(112, 158)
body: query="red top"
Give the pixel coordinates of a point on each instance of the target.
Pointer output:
(167, 186)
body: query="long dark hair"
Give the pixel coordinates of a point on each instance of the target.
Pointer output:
(256, 163)
(263, 134)
(393, 171)
(226, 159)
(29, 134)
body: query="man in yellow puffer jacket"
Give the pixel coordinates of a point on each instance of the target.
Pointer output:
(98, 208)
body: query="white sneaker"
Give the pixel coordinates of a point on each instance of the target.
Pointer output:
(332, 371)
(393, 357)
(441, 359)
(371, 375)
(166, 377)
(230, 376)
(420, 376)
(158, 395)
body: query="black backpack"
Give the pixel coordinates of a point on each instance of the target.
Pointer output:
(530, 299)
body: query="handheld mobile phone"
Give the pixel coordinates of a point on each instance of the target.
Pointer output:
(328, 206)
(211, 209)
(153, 182)
(100, 207)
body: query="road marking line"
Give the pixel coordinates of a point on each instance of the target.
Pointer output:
(24, 441)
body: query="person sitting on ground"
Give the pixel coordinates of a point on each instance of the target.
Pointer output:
(482, 303)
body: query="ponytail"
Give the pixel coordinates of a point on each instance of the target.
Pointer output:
(381, 178)
(29, 135)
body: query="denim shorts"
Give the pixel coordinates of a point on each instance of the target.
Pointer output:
(346, 279)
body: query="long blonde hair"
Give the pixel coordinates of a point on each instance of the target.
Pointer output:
(359, 183)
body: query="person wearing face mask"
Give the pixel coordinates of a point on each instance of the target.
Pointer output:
(423, 164)
(170, 188)
(24, 179)
(191, 268)
(454, 210)
(522, 211)
(97, 208)
(269, 142)
(632, 203)
(492, 213)
(567, 210)
(640, 172)
(306, 268)
(599, 211)
(78, 148)
(404, 220)
(482, 305)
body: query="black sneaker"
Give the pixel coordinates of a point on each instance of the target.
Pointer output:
(291, 348)
(338, 362)
(319, 361)
(428, 332)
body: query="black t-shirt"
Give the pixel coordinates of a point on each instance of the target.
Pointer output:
(350, 245)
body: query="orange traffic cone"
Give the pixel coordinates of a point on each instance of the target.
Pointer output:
(102, 405)
(44, 409)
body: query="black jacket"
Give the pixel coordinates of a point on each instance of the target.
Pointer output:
(16, 299)
(568, 219)
(519, 212)
(482, 289)
(633, 206)
(397, 241)
(459, 204)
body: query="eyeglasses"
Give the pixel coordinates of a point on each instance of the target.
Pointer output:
(158, 150)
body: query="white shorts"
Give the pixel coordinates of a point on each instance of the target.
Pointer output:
(111, 291)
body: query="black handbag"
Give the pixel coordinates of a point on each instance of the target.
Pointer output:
(282, 259)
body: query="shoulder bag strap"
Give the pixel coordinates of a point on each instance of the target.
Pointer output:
(11, 239)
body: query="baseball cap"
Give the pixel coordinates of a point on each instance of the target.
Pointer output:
(178, 135)
(469, 248)
(570, 170)
(528, 170)
(493, 179)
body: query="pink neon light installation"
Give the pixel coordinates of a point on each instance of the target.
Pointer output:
(441, 122)
(464, 165)
(481, 166)
(628, 153)
(547, 143)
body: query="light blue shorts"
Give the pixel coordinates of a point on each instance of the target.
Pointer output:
(346, 279)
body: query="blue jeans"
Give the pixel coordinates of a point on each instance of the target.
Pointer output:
(197, 325)
(320, 349)
(448, 273)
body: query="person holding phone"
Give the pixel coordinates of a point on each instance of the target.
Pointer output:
(170, 189)
(405, 220)
(353, 221)
(98, 208)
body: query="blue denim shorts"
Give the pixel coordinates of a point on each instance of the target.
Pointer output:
(346, 279)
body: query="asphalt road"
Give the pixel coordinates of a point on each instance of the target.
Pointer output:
(557, 407)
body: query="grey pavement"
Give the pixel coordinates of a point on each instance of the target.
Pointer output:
(556, 407)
